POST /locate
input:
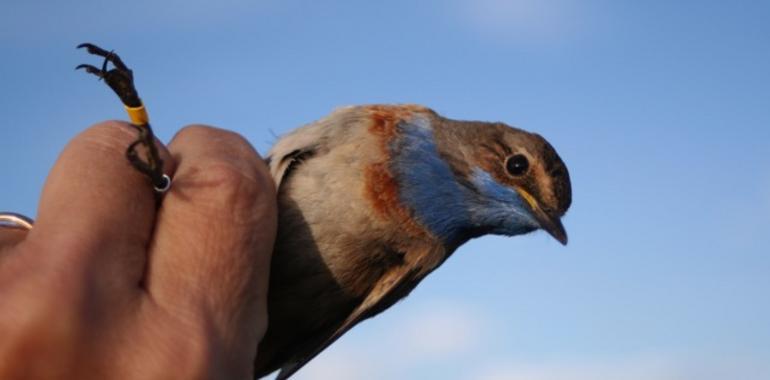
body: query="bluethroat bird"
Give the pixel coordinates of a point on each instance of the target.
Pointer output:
(374, 198)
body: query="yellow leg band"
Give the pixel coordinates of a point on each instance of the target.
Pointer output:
(138, 115)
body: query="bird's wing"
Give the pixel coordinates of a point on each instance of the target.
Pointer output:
(295, 147)
(391, 287)
(282, 165)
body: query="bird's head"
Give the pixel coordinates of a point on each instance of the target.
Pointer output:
(518, 180)
(467, 179)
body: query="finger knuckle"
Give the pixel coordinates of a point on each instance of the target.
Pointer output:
(110, 136)
(220, 142)
(238, 177)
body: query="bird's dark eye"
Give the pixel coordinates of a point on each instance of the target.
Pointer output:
(517, 165)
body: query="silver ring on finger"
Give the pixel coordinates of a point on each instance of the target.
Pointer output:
(15, 221)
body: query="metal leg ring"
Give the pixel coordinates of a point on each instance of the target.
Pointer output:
(165, 185)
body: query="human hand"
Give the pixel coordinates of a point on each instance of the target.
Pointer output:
(106, 285)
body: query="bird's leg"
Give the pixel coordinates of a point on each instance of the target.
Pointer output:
(121, 80)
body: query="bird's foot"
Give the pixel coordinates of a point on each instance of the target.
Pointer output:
(119, 78)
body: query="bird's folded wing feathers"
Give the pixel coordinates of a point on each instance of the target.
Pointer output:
(281, 166)
(391, 287)
(291, 149)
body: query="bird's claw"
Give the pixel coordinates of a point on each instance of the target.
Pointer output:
(91, 69)
(93, 49)
(120, 78)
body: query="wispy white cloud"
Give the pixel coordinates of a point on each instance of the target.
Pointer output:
(630, 368)
(581, 370)
(340, 363)
(523, 20)
(422, 340)
(435, 331)
(442, 330)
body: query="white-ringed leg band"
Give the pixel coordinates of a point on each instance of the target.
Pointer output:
(165, 186)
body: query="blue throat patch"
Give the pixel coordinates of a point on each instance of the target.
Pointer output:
(502, 209)
(448, 210)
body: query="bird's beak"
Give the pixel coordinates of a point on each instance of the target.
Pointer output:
(549, 223)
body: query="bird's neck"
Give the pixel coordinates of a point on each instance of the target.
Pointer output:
(426, 183)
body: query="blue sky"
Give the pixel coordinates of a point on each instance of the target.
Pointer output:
(660, 109)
